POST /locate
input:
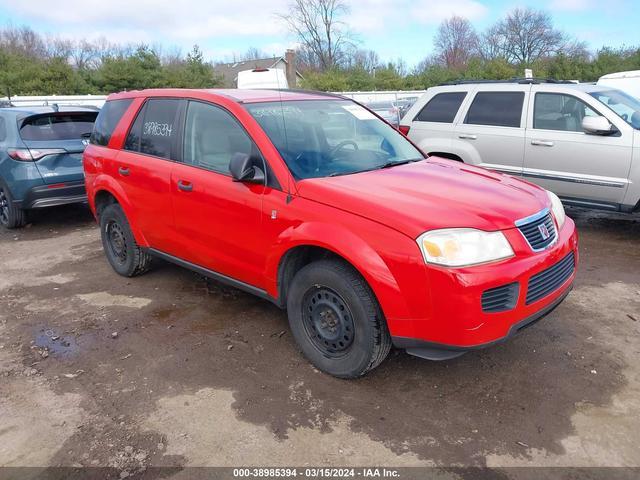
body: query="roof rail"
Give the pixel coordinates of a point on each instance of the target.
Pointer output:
(520, 80)
(302, 90)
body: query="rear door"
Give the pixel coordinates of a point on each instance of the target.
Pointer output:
(562, 158)
(143, 169)
(56, 142)
(491, 132)
(432, 127)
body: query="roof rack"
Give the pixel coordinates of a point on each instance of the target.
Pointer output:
(520, 80)
(302, 90)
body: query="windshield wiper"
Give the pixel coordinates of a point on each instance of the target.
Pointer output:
(379, 167)
(398, 162)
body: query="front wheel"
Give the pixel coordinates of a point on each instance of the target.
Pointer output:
(336, 319)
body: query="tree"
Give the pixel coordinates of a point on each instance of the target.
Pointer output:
(138, 71)
(456, 42)
(322, 34)
(526, 35)
(367, 60)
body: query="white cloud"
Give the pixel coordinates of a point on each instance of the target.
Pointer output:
(571, 5)
(369, 16)
(185, 20)
(224, 28)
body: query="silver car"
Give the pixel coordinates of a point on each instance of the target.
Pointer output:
(388, 110)
(580, 141)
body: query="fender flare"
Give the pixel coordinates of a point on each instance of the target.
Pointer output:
(347, 245)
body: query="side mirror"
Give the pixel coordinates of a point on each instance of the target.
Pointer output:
(242, 168)
(597, 126)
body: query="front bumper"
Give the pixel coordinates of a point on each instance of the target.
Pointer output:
(438, 351)
(457, 321)
(53, 195)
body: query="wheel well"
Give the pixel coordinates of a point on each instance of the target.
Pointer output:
(450, 156)
(294, 260)
(103, 199)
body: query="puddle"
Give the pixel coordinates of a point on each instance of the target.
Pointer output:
(56, 344)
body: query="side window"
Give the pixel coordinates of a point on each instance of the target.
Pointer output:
(555, 111)
(212, 136)
(109, 116)
(442, 108)
(155, 129)
(498, 109)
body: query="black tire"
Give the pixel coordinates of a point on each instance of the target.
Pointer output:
(123, 253)
(10, 216)
(336, 320)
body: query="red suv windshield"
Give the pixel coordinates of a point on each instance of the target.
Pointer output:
(320, 138)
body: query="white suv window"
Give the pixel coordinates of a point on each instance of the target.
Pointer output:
(497, 109)
(556, 111)
(442, 108)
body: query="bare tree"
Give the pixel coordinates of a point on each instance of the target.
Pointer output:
(490, 44)
(317, 24)
(367, 60)
(23, 41)
(253, 53)
(456, 42)
(526, 35)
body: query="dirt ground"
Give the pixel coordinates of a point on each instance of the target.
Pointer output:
(170, 369)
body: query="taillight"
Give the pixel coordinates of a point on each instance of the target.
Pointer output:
(26, 155)
(404, 129)
(20, 154)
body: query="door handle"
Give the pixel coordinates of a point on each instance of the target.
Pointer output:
(185, 186)
(542, 143)
(467, 136)
(124, 171)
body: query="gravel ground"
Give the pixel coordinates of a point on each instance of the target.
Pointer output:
(170, 369)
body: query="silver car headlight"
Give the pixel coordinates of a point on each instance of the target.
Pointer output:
(557, 208)
(460, 247)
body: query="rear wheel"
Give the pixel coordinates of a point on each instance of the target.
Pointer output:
(123, 253)
(10, 215)
(336, 319)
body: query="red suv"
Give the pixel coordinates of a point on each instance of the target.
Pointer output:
(313, 202)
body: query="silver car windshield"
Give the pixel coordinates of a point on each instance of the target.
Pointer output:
(625, 106)
(324, 138)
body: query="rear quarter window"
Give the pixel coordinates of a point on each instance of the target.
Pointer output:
(108, 118)
(58, 126)
(497, 109)
(442, 108)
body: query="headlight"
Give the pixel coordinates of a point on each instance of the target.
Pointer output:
(458, 247)
(557, 208)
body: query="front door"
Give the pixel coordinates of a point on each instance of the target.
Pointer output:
(218, 221)
(561, 157)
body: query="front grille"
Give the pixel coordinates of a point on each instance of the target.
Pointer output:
(539, 233)
(547, 281)
(500, 299)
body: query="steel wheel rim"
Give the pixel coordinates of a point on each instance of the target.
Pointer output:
(328, 321)
(4, 207)
(117, 241)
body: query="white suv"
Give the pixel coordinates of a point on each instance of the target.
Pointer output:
(580, 141)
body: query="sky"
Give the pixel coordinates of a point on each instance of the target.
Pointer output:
(393, 28)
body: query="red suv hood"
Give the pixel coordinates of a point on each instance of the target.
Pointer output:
(431, 194)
